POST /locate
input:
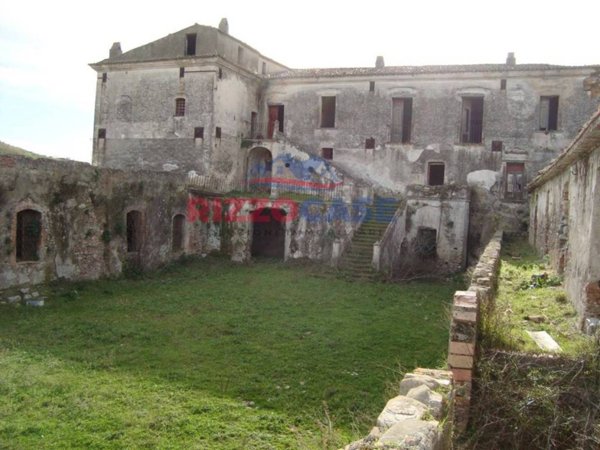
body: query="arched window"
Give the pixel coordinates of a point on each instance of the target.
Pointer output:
(134, 231)
(178, 232)
(180, 107)
(29, 234)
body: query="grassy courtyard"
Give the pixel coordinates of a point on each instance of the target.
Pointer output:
(211, 355)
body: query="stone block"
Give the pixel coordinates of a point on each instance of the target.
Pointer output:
(465, 299)
(460, 361)
(412, 434)
(412, 380)
(399, 409)
(464, 316)
(24, 291)
(433, 400)
(463, 332)
(462, 374)
(441, 376)
(461, 348)
(14, 299)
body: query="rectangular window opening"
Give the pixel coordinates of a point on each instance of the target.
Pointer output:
(101, 133)
(426, 243)
(264, 68)
(514, 181)
(401, 120)
(503, 85)
(496, 146)
(190, 44)
(549, 113)
(435, 174)
(328, 112)
(180, 107)
(371, 86)
(253, 124)
(471, 129)
(240, 55)
(181, 72)
(104, 77)
(327, 153)
(370, 144)
(276, 116)
(218, 132)
(199, 133)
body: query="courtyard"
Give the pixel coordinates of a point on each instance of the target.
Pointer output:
(208, 354)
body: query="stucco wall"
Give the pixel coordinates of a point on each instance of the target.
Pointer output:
(565, 225)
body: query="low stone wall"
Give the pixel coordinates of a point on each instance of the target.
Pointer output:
(417, 417)
(466, 309)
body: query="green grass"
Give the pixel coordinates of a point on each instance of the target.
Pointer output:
(7, 149)
(517, 300)
(211, 355)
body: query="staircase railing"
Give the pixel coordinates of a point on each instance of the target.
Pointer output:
(383, 244)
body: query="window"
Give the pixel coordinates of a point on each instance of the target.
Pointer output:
(276, 116)
(134, 231)
(497, 146)
(327, 112)
(199, 133)
(240, 58)
(471, 127)
(435, 174)
(426, 243)
(371, 86)
(370, 143)
(253, 124)
(190, 44)
(264, 68)
(549, 113)
(178, 232)
(218, 132)
(401, 120)
(101, 133)
(514, 181)
(104, 77)
(29, 234)
(220, 73)
(180, 107)
(327, 153)
(181, 72)
(503, 85)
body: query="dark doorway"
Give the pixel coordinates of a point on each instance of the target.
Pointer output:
(268, 235)
(435, 174)
(134, 231)
(178, 232)
(29, 233)
(275, 115)
(259, 172)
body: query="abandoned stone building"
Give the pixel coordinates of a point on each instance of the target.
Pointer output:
(201, 144)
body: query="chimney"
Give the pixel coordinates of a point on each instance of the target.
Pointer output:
(379, 62)
(115, 50)
(224, 26)
(511, 60)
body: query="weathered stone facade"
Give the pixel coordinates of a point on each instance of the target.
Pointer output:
(565, 217)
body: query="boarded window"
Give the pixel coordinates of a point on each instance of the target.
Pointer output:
(471, 127)
(426, 243)
(199, 133)
(401, 120)
(435, 174)
(549, 113)
(181, 72)
(370, 143)
(29, 234)
(190, 44)
(218, 132)
(101, 133)
(134, 231)
(180, 107)
(178, 232)
(327, 112)
(327, 153)
(514, 181)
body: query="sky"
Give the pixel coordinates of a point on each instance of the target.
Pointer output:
(47, 89)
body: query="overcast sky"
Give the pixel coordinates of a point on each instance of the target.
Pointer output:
(47, 88)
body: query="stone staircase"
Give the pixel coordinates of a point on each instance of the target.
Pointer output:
(356, 262)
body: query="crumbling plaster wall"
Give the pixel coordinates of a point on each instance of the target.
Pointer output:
(510, 115)
(565, 225)
(83, 212)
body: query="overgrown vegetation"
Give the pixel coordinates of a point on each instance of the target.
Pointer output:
(524, 399)
(7, 149)
(211, 355)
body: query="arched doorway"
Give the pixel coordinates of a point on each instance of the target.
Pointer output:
(259, 172)
(268, 233)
